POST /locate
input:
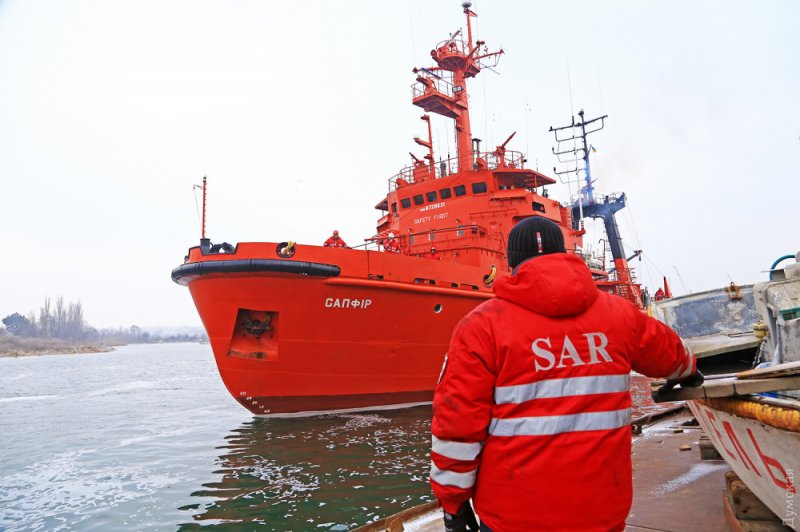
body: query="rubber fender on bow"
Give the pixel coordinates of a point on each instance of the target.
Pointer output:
(185, 273)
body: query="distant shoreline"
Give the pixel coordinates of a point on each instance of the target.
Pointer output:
(13, 347)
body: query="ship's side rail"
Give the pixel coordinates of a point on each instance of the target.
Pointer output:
(446, 167)
(446, 244)
(603, 198)
(428, 81)
(447, 240)
(466, 236)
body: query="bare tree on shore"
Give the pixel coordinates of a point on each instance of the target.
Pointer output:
(62, 320)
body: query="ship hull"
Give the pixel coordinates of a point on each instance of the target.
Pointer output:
(295, 344)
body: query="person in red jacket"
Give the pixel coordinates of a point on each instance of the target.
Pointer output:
(391, 244)
(531, 416)
(334, 241)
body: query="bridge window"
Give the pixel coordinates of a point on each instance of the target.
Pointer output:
(419, 199)
(478, 188)
(405, 202)
(538, 207)
(460, 190)
(431, 196)
(445, 193)
(394, 207)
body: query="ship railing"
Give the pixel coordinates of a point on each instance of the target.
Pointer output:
(434, 82)
(370, 244)
(509, 159)
(598, 198)
(461, 230)
(452, 47)
(446, 167)
(593, 261)
(419, 243)
(613, 275)
(453, 238)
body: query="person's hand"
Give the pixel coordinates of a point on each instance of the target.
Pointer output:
(692, 381)
(461, 521)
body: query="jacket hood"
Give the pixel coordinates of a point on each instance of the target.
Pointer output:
(554, 285)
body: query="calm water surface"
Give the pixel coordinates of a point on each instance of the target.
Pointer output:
(147, 438)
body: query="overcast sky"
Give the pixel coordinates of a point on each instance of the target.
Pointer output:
(299, 112)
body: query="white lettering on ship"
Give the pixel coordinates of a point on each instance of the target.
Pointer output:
(426, 219)
(432, 206)
(597, 350)
(346, 302)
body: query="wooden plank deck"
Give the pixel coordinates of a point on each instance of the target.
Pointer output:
(728, 387)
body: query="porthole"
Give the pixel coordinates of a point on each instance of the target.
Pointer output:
(438, 308)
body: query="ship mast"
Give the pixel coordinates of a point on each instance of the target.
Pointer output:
(579, 152)
(203, 218)
(447, 95)
(586, 205)
(203, 230)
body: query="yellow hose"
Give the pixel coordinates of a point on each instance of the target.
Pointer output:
(489, 279)
(774, 416)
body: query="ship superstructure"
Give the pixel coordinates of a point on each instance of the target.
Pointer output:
(463, 206)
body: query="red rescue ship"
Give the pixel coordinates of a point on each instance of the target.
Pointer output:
(299, 329)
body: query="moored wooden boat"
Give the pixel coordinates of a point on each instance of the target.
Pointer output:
(717, 325)
(753, 417)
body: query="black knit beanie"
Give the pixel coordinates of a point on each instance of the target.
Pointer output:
(533, 237)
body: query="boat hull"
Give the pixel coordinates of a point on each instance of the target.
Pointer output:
(765, 457)
(329, 343)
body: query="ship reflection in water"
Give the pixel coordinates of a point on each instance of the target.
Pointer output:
(322, 473)
(329, 472)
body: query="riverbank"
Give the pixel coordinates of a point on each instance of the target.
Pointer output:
(14, 346)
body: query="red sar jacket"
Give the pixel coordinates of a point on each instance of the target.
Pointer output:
(531, 417)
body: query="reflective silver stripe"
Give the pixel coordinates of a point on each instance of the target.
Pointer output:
(549, 425)
(561, 388)
(451, 478)
(686, 368)
(455, 449)
(681, 373)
